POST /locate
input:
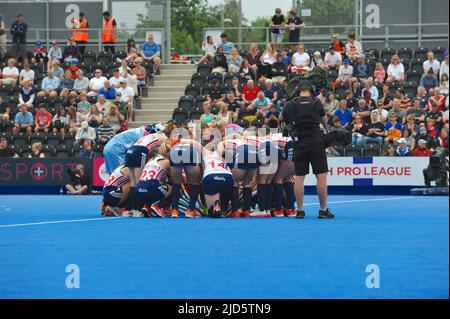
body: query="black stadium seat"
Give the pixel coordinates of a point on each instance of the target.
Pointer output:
(54, 139)
(180, 115)
(63, 151)
(48, 150)
(121, 55)
(69, 139)
(99, 65)
(387, 53)
(199, 100)
(405, 53)
(206, 88)
(413, 76)
(439, 53)
(89, 57)
(410, 89)
(204, 68)
(37, 138)
(371, 150)
(186, 102)
(421, 53)
(243, 123)
(374, 52)
(26, 151)
(104, 57)
(193, 90)
(195, 113)
(229, 78)
(98, 149)
(258, 123)
(215, 76)
(198, 79)
(417, 65)
(353, 150)
(21, 139)
(85, 67)
(16, 149)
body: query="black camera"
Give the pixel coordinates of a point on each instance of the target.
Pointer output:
(74, 174)
(437, 169)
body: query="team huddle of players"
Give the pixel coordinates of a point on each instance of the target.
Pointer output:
(154, 175)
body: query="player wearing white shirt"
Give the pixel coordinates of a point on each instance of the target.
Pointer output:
(115, 191)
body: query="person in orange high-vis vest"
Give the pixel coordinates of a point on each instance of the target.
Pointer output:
(80, 33)
(108, 32)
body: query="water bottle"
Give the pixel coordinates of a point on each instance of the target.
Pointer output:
(61, 191)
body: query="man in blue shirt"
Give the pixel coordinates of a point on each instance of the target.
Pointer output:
(24, 121)
(226, 45)
(50, 84)
(152, 52)
(343, 113)
(108, 91)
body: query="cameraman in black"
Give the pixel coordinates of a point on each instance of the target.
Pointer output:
(79, 182)
(304, 115)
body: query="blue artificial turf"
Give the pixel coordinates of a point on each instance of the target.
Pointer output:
(406, 237)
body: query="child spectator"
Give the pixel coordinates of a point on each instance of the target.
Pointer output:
(105, 131)
(209, 49)
(353, 48)
(43, 119)
(379, 73)
(272, 116)
(60, 121)
(444, 84)
(54, 53)
(39, 53)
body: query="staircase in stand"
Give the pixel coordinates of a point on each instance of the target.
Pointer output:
(163, 95)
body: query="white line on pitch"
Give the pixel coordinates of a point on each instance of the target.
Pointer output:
(60, 222)
(106, 218)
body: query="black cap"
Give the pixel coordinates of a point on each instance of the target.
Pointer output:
(106, 14)
(332, 47)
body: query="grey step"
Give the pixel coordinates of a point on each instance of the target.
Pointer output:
(178, 67)
(169, 88)
(160, 100)
(171, 83)
(173, 77)
(148, 112)
(177, 72)
(165, 94)
(158, 107)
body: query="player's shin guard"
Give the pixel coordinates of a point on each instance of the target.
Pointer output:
(290, 195)
(193, 196)
(278, 190)
(224, 200)
(261, 196)
(235, 199)
(246, 198)
(131, 199)
(269, 196)
(176, 193)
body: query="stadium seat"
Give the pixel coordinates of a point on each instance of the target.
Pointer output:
(371, 150)
(215, 76)
(42, 100)
(121, 55)
(37, 138)
(332, 76)
(417, 64)
(69, 139)
(85, 67)
(374, 52)
(229, 78)
(385, 63)
(243, 123)
(406, 64)
(243, 53)
(206, 88)
(180, 115)
(76, 150)
(21, 139)
(54, 139)
(7, 126)
(339, 149)
(353, 150)
(421, 53)
(26, 151)
(258, 123)
(89, 57)
(186, 102)
(5, 91)
(48, 150)
(112, 65)
(149, 67)
(199, 100)
(92, 99)
(413, 76)
(63, 151)
(6, 135)
(439, 53)
(104, 57)
(204, 68)
(405, 53)
(215, 109)
(387, 53)
(99, 65)
(198, 79)
(195, 113)
(193, 90)
(410, 88)
(37, 67)
(98, 149)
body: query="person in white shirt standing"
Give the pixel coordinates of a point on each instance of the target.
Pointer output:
(333, 59)
(431, 63)
(127, 96)
(96, 83)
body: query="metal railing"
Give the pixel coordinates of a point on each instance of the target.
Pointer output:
(386, 35)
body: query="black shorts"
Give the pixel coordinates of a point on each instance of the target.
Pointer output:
(310, 153)
(136, 156)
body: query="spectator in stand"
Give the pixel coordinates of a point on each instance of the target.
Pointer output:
(75, 119)
(121, 106)
(216, 94)
(249, 92)
(209, 48)
(5, 111)
(86, 151)
(220, 63)
(253, 57)
(85, 132)
(337, 133)
(2, 38)
(416, 112)
(54, 53)
(267, 59)
(362, 110)
(333, 59)
(294, 23)
(131, 80)
(39, 53)
(437, 99)
(277, 25)
(96, 83)
(444, 84)
(386, 99)
(393, 129)
(279, 70)
(36, 151)
(26, 74)
(71, 51)
(73, 68)
(83, 105)
(207, 119)
(411, 125)
(402, 149)
(5, 151)
(139, 72)
(343, 113)
(124, 69)
(422, 149)
(272, 117)
(442, 140)
(102, 104)
(152, 52)
(398, 111)
(116, 78)
(429, 80)
(115, 119)
(81, 83)
(345, 74)
(79, 184)
(225, 44)
(422, 97)
(375, 130)
(361, 70)
(18, 31)
(127, 96)
(105, 131)
(405, 101)
(49, 86)
(270, 92)
(379, 73)
(23, 122)
(372, 89)
(94, 117)
(10, 74)
(261, 104)
(233, 105)
(58, 71)
(245, 72)
(66, 84)
(26, 95)
(60, 121)
(353, 48)
(234, 61)
(42, 119)
(300, 60)
(317, 61)
(395, 71)
(356, 88)
(431, 63)
(330, 104)
(338, 44)
(435, 116)
(358, 129)
(108, 91)
(224, 116)
(236, 88)
(133, 51)
(409, 139)
(444, 64)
